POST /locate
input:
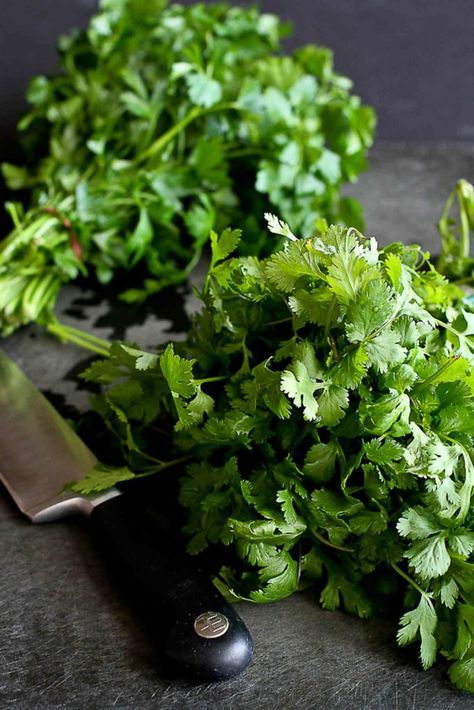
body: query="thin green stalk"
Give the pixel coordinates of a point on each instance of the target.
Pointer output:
(322, 539)
(455, 332)
(245, 152)
(163, 465)
(172, 132)
(424, 383)
(192, 262)
(79, 337)
(464, 225)
(220, 378)
(76, 341)
(446, 227)
(443, 224)
(271, 323)
(168, 136)
(87, 336)
(40, 293)
(21, 235)
(13, 212)
(411, 581)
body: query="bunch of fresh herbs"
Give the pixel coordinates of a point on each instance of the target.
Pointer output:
(324, 399)
(167, 122)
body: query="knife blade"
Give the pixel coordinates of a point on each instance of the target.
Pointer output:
(39, 454)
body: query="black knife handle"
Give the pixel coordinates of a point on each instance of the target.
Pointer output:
(177, 595)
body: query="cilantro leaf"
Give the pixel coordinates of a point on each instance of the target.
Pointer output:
(178, 373)
(420, 621)
(383, 452)
(462, 674)
(203, 91)
(332, 404)
(348, 270)
(224, 244)
(430, 557)
(194, 411)
(300, 387)
(288, 268)
(384, 350)
(101, 478)
(320, 462)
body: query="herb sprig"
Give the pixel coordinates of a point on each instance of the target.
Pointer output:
(325, 397)
(456, 259)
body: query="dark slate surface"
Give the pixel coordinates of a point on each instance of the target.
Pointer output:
(69, 639)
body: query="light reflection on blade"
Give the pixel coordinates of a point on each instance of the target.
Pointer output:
(39, 452)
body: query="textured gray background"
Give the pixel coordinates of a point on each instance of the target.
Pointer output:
(67, 637)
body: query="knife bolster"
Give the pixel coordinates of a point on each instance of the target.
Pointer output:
(68, 504)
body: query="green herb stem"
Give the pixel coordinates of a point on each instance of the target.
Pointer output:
(246, 152)
(411, 581)
(322, 539)
(163, 465)
(13, 212)
(271, 323)
(465, 238)
(424, 383)
(211, 379)
(455, 332)
(79, 337)
(160, 143)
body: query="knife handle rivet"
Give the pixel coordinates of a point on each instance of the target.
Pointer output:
(211, 625)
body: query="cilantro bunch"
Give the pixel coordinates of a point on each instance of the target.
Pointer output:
(166, 122)
(324, 400)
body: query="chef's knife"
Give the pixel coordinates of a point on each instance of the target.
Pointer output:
(39, 454)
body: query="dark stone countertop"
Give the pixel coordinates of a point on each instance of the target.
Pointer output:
(68, 637)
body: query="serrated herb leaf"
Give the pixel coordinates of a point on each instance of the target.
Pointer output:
(422, 620)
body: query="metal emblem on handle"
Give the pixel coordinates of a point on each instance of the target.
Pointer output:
(211, 625)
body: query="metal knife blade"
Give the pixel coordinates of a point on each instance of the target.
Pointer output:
(39, 453)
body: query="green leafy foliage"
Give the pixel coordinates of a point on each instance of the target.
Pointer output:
(327, 411)
(101, 478)
(456, 258)
(167, 122)
(422, 621)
